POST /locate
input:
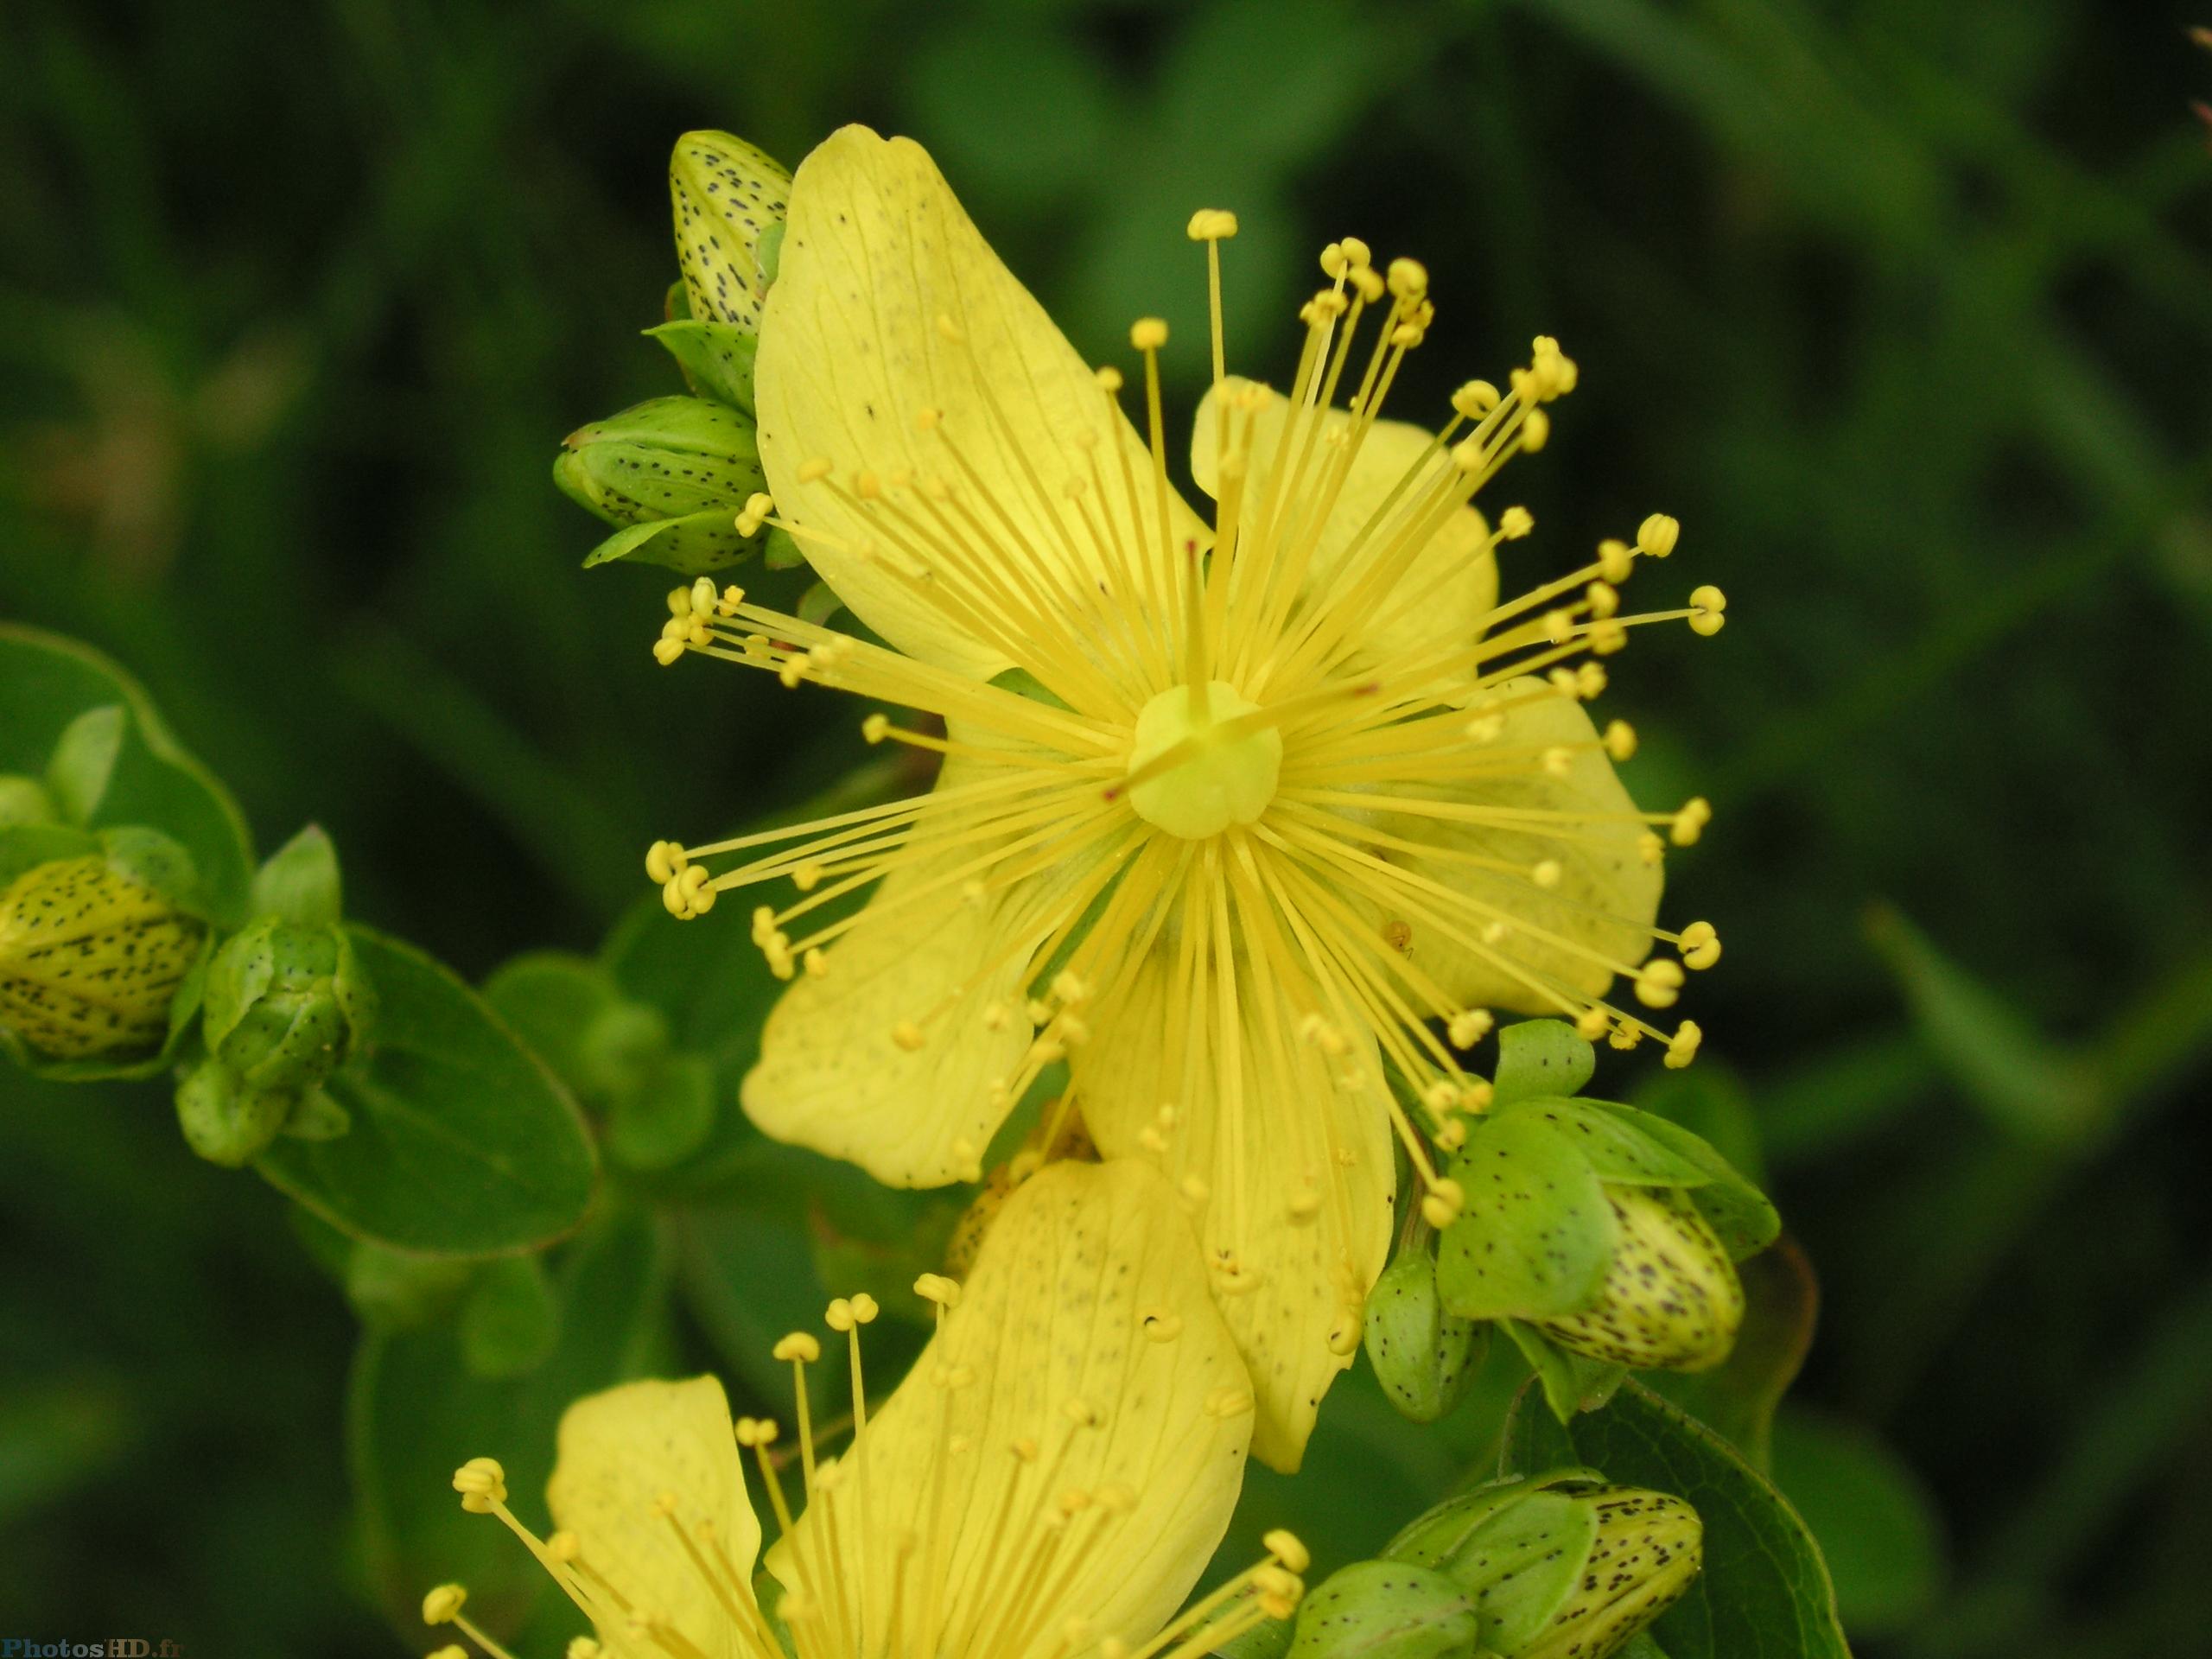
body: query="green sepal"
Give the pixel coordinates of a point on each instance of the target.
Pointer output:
(223, 1120)
(691, 546)
(1539, 1057)
(1423, 1357)
(716, 358)
(1518, 1546)
(84, 760)
(1614, 1142)
(1571, 1382)
(1745, 1219)
(1386, 1610)
(299, 882)
(1535, 1234)
(316, 1116)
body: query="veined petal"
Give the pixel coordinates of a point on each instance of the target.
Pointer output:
(1606, 896)
(620, 1453)
(888, 301)
(1069, 1447)
(834, 1074)
(1298, 1173)
(1448, 588)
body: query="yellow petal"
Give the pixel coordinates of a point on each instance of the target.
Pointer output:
(887, 301)
(1449, 588)
(1606, 896)
(620, 1453)
(1085, 1336)
(1299, 1178)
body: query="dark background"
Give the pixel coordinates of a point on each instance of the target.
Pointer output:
(1903, 309)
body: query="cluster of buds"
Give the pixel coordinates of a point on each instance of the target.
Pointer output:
(1558, 1565)
(674, 475)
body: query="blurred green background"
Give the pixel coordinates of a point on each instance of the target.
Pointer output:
(1904, 310)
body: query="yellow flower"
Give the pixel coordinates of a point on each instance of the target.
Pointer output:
(1047, 1484)
(1248, 819)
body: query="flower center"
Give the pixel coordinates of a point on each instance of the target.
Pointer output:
(1197, 767)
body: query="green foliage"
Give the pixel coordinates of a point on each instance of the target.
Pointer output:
(1764, 1588)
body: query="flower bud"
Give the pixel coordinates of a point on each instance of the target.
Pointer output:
(1671, 1299)
(730, 200)
(1560, 1565)
(224, 1122)
(1386, 1610)
(1422, 1356)
(92, 950)
(666, 458)
(285, 1003)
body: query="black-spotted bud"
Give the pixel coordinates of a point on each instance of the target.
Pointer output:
(94, 948)
(224, 1121)
(1560, 1566)
(1671, 1299)
(730, 199)
(286, 1003)
(1422, 1356)
(674, 473)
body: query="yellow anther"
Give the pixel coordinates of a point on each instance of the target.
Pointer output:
(1369, 283)
(1591, 1024)
(1620, 740)
(1475, 399)
(1357, 254)
(1212, 225)
(1469, 455)
(813, 471)
(1514, 522)
(563, 1545)
(864, 1309)
(1682, 1047)
(679, 601)
(665, 651)
(1111, 378)
(665, 1505)
(1304, 1205)
(1657, 535)
(1557, 626)
(1485, 728)
(875, 727)
(1286, 1549)
(936, 1288)
(1700, 946)
(1070, 987)
(1689, 824)
(1408, 279)
(451, 1651)
(1546, 872)
(949, 330)
(1650, 849)
(799, 1345)
(1452, 1135)
(816, 962)
(1706, 604)
(1559, 760)
(1469, 1026)
(1603, 598)
(1615, 560)
(1590, 681)
(838, 1316)
(704, 596)
(908, 1035)
(1659, 983)
(758, 506)
(731, 598)
(1607, 636)
(1149, 333)
(1334, 264)
(927, 417)
(1196, 1190)
(481, 1483)
(660, 862)
(1535, 432)
(583, 1647)
(1440, 1206)
(1440, 1098)
(444, 1604)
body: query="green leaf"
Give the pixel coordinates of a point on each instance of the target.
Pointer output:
(84, 759)
(511, 1321)
(665, 1121)
(463, 1143)
(716, 358)
(1765, 1592)
(415, 1412)
(46, 683)
(1535, 1234)
(1876, 1521)
(1538, 1058)
(2022, 1080)
(1738, 1399)
(691, 545)
(1385, 1610)
(299, 882)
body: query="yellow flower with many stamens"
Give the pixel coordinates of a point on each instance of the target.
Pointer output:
(1251, 821)
(1047, 1484)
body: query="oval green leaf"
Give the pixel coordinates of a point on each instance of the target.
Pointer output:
(463, 1142)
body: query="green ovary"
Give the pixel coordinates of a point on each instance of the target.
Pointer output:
(1227, 777)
